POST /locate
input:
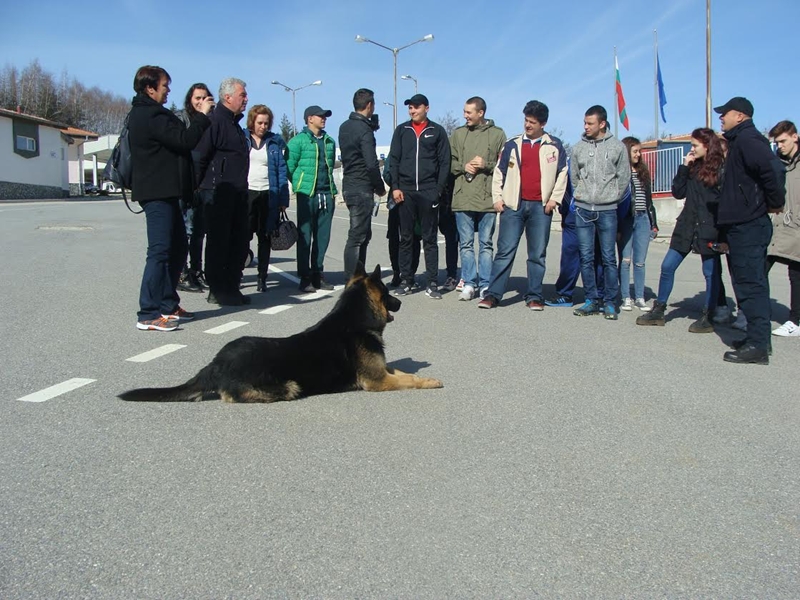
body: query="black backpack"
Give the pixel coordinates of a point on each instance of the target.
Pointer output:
(119, 167)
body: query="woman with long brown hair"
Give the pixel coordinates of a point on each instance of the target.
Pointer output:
(635, 229)
(698, 181)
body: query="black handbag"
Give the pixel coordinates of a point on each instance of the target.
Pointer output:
(285, 235)
(119, 167)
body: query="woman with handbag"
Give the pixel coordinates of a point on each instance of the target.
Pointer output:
(698, 181)
(267, 182)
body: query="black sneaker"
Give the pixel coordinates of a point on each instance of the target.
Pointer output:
(201, 278)
(396, 281)
(405, 289)
(305, 286)
(747, 354)
(187, 284)
(433, 292)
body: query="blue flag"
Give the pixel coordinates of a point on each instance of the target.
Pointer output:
(662, 96)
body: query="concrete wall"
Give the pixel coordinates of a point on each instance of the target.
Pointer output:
(43, 176)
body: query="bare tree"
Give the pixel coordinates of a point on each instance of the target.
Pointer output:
(449, 122)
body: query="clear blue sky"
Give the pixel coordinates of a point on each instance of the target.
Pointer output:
(507, 52)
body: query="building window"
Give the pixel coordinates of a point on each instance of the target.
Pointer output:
(25, 143)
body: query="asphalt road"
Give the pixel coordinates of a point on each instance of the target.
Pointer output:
(565, 457)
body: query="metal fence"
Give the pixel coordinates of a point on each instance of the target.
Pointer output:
(663, 165)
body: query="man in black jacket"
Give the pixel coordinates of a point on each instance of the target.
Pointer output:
(419, 161)
(160, 155)
(223, 160)
(361, 179)
(753, 186)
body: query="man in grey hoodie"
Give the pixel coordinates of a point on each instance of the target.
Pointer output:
(601, 174)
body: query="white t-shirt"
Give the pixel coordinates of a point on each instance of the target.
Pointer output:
(258, 175)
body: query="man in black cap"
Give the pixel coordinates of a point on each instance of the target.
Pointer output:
(310, 163)
(753, 186)
(419, 161)
(361, 180)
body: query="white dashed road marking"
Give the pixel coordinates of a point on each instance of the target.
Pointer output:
(274, 310)
(155, 353)
(56, 390)
(226, 327)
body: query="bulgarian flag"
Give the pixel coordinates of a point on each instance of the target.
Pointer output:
(623, 114)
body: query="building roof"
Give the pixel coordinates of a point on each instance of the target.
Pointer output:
(12, 114)
(80, 133)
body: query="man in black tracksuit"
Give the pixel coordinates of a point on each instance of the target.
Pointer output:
(223, 160)
(419, 161)
(361, 179)
(753, 186)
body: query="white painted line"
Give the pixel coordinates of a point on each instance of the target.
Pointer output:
(56, 390)
(155, 353)
(225, 328)
(283, 273)
(274, 310)
(316, 294)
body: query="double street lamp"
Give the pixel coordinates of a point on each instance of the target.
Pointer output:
(414, 79)
(294, 91)
(395, 52)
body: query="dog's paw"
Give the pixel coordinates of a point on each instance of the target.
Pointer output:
(429, 383)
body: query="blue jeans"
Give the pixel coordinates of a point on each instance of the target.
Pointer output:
(603, 224)
(633, 245)
(712, 271)
(466, 221)
(166, 255)
(570, 262)
(530, 218)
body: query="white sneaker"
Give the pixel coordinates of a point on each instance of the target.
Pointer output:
(740, 322)
(467, 293)
(641, 305)
(460, 285)
(788, 329)
(483, 292)
(722, 315)
(626, 304)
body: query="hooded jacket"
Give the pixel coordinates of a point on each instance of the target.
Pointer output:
(754, 177)
(696, 226)
(419, 164)
(506, 185)
(161, 148)
(600, 171)
(786, 232)
(484, 140)
(303, 160)
(222, 155)
(277, 173)
(361, 171)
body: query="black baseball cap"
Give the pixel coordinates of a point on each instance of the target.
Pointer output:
(316, 111)
(417, 100)
(743, 105)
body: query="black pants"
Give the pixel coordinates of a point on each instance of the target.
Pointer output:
(422, 206)
(748, 244)
(794, 285)
(447, 227)
(393, 235)
(258, 217)
(360, 204)
(227, 237)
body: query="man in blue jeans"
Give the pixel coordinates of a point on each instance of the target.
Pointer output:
(529, 181)
(600, 174)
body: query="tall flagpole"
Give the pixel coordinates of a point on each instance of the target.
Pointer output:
(616, 100)
(708, 64)
(655, 80)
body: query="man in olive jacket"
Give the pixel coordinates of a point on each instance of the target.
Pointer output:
(310, 162)
(361, 180)
(474, 149)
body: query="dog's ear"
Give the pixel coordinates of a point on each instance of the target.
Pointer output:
(376, 274)
(360, 270)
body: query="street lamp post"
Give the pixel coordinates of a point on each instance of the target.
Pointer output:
(395, 52)
(294, 91)
(414, 79)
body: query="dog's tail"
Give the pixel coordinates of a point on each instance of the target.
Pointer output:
(191, 391)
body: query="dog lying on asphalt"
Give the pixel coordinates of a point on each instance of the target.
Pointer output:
(343, 352)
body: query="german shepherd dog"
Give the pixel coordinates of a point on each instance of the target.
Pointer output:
(343, 352)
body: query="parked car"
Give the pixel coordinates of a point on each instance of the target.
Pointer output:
(110, 186)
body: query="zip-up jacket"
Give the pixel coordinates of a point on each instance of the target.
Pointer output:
(361, 171)
(786, 232)
(601, 172)
(754, 178)
(506, 184)
(696, 226)
(419, 164)
(303, 160)
(222, 155)
(484, 140)
(161, 148)
(275, 148)
(648, 199)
